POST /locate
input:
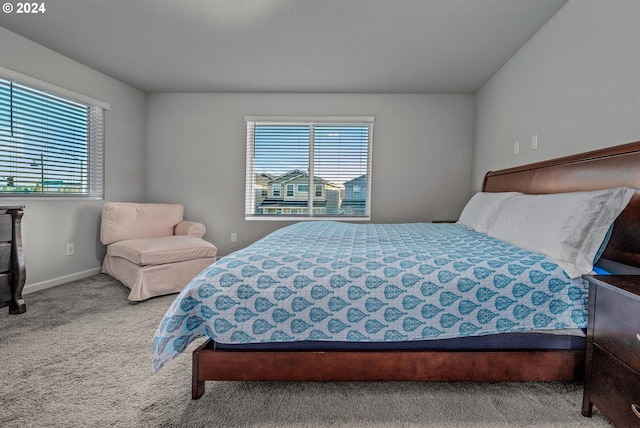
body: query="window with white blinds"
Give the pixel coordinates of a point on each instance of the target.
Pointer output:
(50, 145)
(308, 168)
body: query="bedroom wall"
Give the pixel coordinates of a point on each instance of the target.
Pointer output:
(48, 224)
(196, 154)
(575, 85)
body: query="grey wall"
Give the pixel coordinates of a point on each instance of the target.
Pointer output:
(49, 224)
(195, 154)
(575, 85)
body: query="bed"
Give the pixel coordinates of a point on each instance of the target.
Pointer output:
(342, 311)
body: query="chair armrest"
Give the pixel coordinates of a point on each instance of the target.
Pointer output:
(191, 228)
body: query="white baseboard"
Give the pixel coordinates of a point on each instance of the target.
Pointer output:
(43, 285)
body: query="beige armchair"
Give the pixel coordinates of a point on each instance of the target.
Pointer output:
(151, 249)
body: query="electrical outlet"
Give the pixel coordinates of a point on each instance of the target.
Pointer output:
(534, 142)
(516, 148)
(234, 237)
(70, 249)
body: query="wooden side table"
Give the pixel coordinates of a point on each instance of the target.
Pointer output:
(12, 268)
(612, 378)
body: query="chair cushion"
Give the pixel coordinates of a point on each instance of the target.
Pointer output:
(166, 249)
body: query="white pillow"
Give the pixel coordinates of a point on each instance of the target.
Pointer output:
(481, 209)
(567, 227)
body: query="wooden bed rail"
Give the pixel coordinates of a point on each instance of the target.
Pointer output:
(432, 366)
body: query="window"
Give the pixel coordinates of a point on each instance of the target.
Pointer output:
(50, 144)
(324, 154)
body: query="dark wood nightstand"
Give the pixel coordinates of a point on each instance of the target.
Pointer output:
(612, 378)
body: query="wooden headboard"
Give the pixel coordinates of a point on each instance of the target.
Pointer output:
(617, 166)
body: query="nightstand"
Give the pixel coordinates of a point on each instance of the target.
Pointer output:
(612, 378)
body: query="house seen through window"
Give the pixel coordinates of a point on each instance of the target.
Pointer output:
(288, 156)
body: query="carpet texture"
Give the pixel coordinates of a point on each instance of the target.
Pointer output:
(81, 357)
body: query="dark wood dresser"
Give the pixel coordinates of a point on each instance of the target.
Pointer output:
(12, 269)
(612, 378)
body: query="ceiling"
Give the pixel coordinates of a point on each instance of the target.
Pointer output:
(346, 46)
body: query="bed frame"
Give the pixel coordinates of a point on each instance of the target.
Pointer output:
(600, 169)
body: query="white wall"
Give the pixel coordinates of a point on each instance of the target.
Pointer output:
(575, 85)
(196, 154)
(49, 224)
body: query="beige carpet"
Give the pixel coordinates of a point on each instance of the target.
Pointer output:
(81, 357)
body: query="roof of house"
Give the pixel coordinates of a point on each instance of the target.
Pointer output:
(296, 173)
(363, 177)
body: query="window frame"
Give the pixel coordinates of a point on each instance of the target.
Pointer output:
(91, 170)
(311, 213)
(290, 191)
(274, 193)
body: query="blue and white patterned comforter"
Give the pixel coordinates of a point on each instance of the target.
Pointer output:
(370, 282)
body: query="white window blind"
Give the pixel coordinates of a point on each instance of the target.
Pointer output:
(332, 156)
(50, 145)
